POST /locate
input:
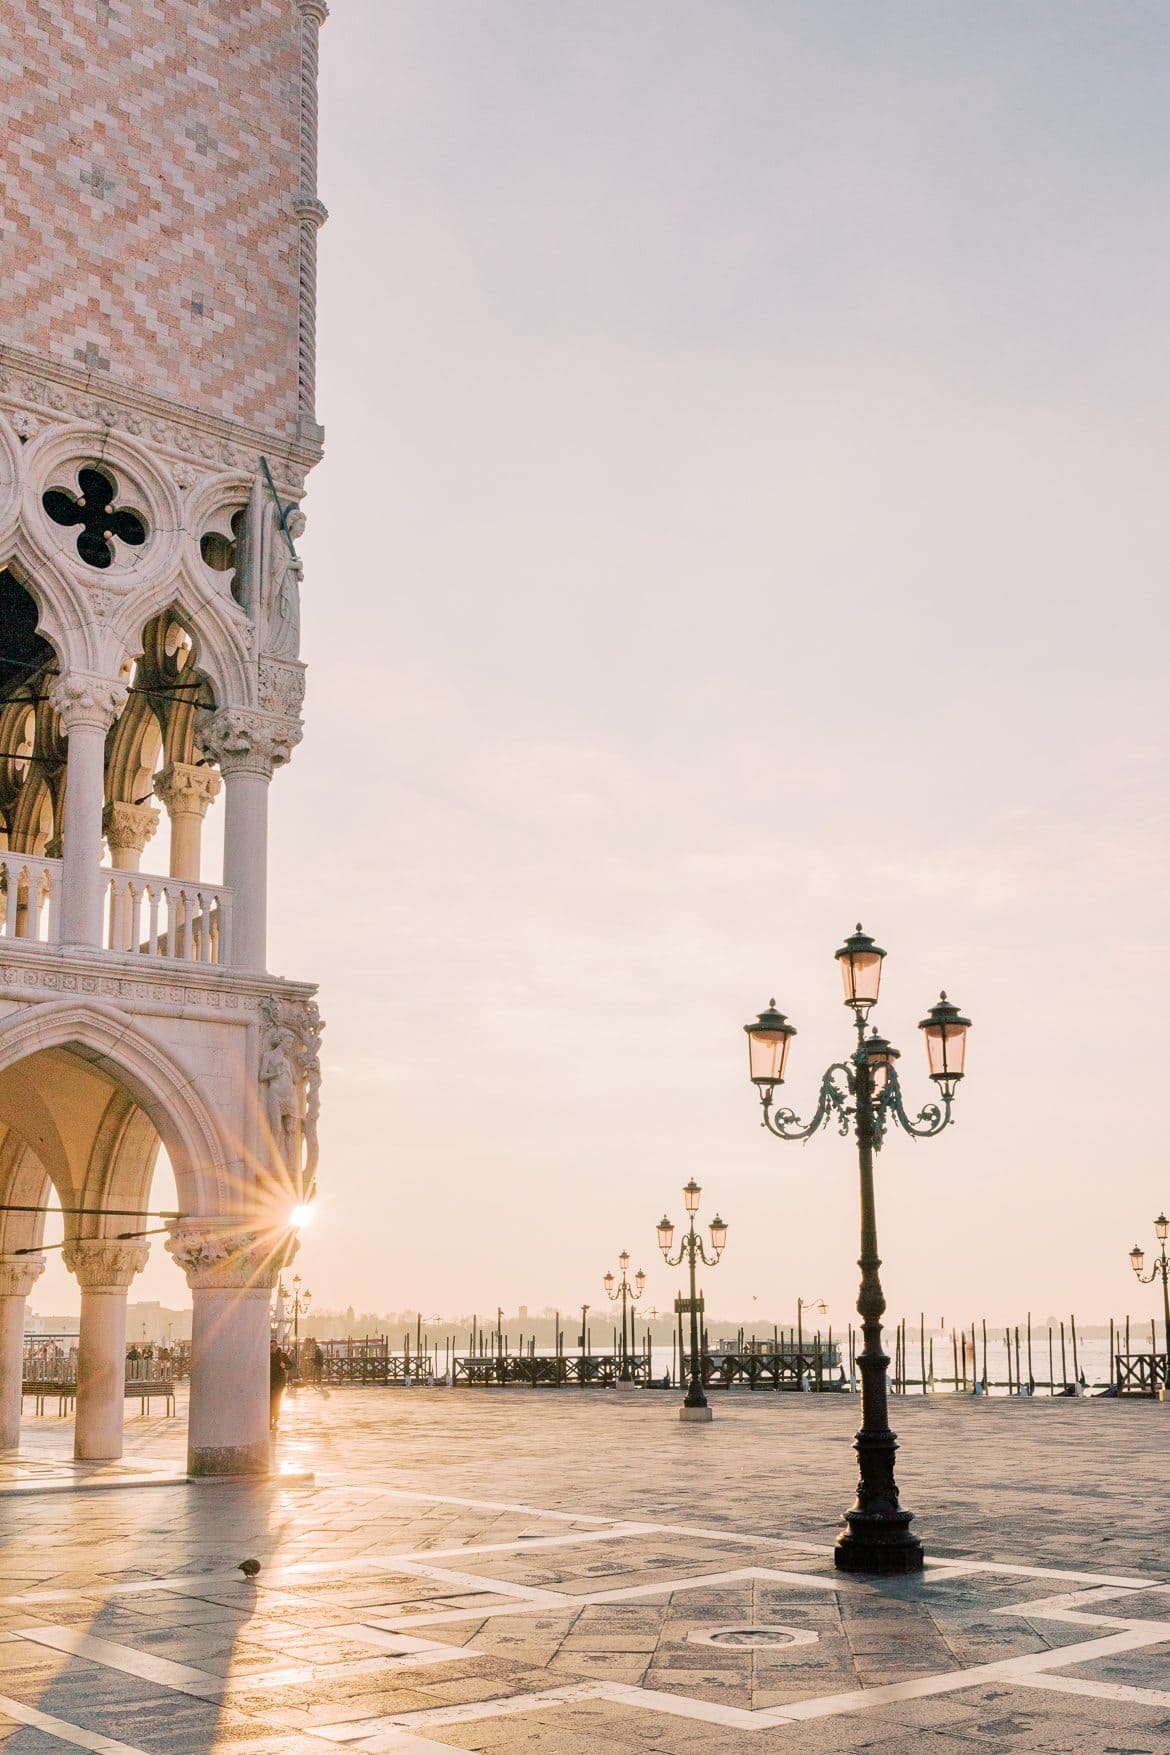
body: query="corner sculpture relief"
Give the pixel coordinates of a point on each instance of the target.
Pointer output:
(290, 1086)
(269, 571)
(281, 637)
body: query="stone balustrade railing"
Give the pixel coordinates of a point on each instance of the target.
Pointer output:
(181, 918)
(30, 894)
(142, 915)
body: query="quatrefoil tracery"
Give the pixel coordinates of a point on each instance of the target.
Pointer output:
(99, 517)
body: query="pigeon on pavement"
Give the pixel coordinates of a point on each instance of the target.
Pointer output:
(249, 1568)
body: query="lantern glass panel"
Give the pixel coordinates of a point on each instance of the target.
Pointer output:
(1162, 1227)
(946, 1048)
(768, 1055)
(861, 973)
(665, 1234)
(691, 1195)
(1137, 1258)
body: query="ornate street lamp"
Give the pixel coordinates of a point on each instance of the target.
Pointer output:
(803, 1304)
(299, 1305)
(627, 1294)
(864, 1095)
(1160, 1269)
(691, 1249)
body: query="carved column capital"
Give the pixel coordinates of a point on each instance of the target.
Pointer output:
(224, 1257)
(187, 789)
(104, 1264)
(128, 825)
(309, 210)
(19, 1274)
(244, 740)
(83, 699)
(316, 9)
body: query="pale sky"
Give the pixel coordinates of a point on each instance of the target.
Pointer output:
(743, 514)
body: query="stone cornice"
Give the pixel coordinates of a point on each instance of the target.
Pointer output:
(108, 401)
(35, 973)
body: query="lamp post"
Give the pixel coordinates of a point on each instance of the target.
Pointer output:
(691, 1250)
(803, 1304)
(299, 1305)
(628, 1295)
(1161, 1268)
(864, 1095)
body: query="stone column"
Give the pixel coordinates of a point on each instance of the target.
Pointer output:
(88, 706)
(311, 216)
(186, 790)
(18, 1274)
(127, 828)
(104, 1271)
(248, 745)
(231, 1274)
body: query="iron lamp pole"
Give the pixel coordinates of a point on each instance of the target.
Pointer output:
(803, 1304)
(300, 1302)
(628, 1295)
(864, 1095)
(691, 1250)
(1160, 1270)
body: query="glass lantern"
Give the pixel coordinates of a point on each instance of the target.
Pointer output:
(691, 1194)
(861, 970)
(718, 1234)
(665, 1234)
(768, 1043)
(946, 1043)
(880, 1058)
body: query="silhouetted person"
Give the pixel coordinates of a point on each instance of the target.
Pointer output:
(277, 1378)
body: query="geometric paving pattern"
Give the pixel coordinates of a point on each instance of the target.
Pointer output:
(399, 1618)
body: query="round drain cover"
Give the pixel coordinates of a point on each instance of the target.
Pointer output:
(752, 1638)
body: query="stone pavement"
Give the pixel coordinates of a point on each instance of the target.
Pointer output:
(573, 1573)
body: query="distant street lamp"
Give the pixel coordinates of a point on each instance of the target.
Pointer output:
(299, 1304)
(864, 1094)
(628, 1295)
(1161, 1268)
(803, 1304)
(691, 1250)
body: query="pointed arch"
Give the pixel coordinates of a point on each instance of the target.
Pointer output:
(166, 1091)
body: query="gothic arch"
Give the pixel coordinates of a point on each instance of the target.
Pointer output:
(24, 1182)
(114, 1043)
(224, 633)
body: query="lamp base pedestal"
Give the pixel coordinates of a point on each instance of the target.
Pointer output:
(625, 1383)
(686, 1413)
(886, 1546)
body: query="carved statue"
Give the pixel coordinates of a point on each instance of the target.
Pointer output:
(269, 573)
(281, 632)
(281, 1101)
(290, 1077)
